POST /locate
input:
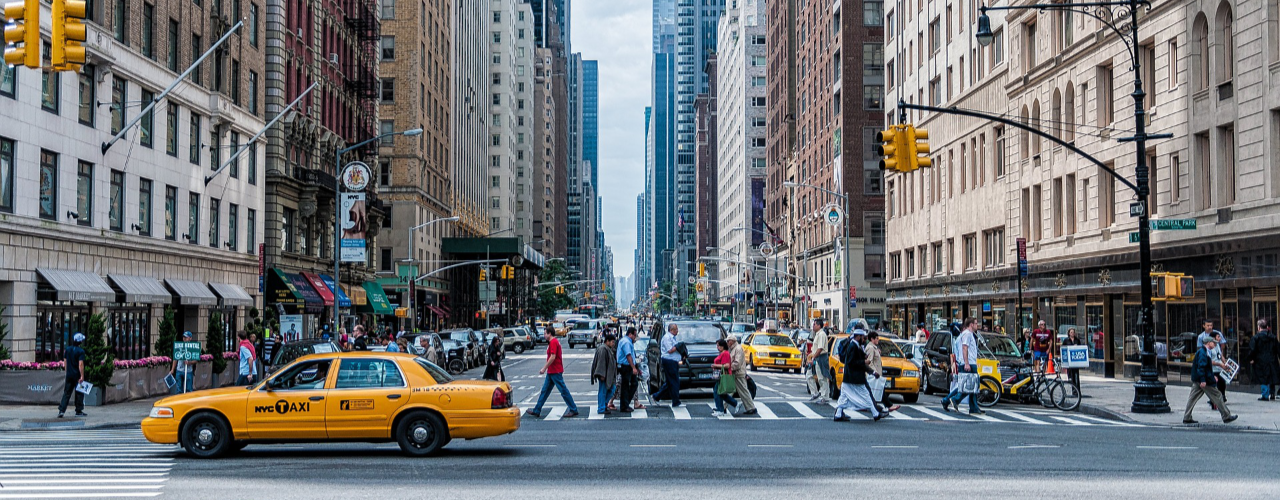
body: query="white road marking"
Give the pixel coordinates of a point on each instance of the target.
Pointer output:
(592, 414)
(804, 410)
(1019, 416)
(934, 413)
(1033, 446)
(530, 446)
(85, 495)
(556, 412)
(1070, 421)
(890, 447)
(901, 416)
(728, 415)
(653, 446)
(765, 412)
(1167, 447)
(1105, 421)
(640, 413)
(680, 412)
(771, 446)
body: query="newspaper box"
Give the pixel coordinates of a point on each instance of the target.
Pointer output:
(1074, 356)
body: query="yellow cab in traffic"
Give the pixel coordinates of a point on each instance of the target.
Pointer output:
(771, 350)
(341, 396)
(902, 377)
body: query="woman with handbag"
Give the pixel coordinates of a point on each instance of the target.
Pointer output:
(727, 384)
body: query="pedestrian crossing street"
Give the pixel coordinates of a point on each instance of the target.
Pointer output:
(777, 409)
(108, 463)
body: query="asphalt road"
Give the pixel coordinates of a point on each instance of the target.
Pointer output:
(666, 456)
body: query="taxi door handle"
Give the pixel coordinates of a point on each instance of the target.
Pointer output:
(316, 398)
(393, 396)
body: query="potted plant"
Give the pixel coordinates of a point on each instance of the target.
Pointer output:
(214, 345)
(99, 362)
(4, 333)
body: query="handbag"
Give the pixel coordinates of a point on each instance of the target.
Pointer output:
(727, 384)
(967, 383)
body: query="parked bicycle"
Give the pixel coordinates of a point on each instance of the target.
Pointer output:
(1027, 385)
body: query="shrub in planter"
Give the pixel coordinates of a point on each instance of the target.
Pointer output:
(214, 342)
(4, 332)
(168, 334)
(99, 362)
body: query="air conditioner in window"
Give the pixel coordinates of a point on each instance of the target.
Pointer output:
(299, 32)
(333, 58)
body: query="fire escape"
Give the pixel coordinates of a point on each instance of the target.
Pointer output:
(361, 71)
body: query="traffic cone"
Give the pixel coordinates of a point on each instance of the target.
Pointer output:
(1051, 370)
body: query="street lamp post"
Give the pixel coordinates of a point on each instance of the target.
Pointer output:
(1122, 18)
(844, 247)
(413, 313)
(337, 207)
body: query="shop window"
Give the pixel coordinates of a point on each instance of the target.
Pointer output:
(130, 334)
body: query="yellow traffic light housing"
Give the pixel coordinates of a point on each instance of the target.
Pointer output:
(23, 31)
(484, 276)
(891, 148)
(68, 34)
(702, 269)
(1172, 286)
(918, 144)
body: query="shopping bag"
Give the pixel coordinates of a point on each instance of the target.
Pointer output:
(877, 388)
(727, 384)
(967, 383)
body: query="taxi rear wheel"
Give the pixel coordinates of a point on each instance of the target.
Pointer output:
(421, 433)
(206, 436)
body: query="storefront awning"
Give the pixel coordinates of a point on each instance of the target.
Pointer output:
(140, 290)
(314, 304)
(320, 288)
(192, 293)
(438, 311)
(378, 303)
(343, 300)
(78, 286)
(232, 295)
(280, 290)
(358, 297)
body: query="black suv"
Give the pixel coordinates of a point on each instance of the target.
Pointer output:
(699, 338)
(937, 357)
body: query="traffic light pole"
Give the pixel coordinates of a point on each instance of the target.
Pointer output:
(1149, 391)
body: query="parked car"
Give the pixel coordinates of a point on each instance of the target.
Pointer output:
(541, 334)
(302, 347)
(469, 338)
(517, 339)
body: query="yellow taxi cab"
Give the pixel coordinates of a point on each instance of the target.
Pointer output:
(341, 396)
(771, 350)
(902, 377)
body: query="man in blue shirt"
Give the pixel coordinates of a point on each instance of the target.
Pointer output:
(75, 375)
(670, 365)
(628, 369)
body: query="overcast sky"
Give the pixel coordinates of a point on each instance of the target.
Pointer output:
(617, 33)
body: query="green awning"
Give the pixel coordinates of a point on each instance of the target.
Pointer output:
(378, 303)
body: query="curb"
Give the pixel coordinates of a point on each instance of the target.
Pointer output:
(1104, 412)
(40, 426)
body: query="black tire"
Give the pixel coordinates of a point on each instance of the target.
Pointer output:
(421, 434)
(835, 388)
(206, 435)
(989, 390)
(911, 398)
(1044, 393)
(571, 345)
(928, 389)
(751, 362)
(457, 366)
(518, 348)
(1065, 396)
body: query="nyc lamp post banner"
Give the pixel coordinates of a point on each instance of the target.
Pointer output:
(354, 226)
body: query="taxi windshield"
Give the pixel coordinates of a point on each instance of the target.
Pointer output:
(889, 350)
(437, 373)
(998, 345)
(772, 340)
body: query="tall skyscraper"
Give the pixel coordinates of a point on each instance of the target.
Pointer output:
(470, 115)
(591, 117)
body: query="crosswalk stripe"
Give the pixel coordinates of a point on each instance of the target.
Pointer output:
(680, 412)
(765, 412)
(594, 414)
(1104, 421)
(640, 413)
(556, 412)
(1071, 421)
(804, 410)
(1019, 416)
(899, 415)
(933, 413)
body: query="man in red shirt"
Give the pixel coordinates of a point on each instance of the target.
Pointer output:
(554, 369)
(1041, 344)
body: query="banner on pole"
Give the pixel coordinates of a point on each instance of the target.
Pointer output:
(354, 226)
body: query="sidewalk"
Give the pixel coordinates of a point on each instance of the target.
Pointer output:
(35, 417)
(1112, 398)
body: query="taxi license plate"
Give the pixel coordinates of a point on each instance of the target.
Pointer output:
(706, 376)
(779, 361)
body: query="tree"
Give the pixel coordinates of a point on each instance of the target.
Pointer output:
(254, 326)
(4, 332)
(99, 362)
(215, 342)
(168, 334)
(548, 300)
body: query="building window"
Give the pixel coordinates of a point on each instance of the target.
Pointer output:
(286, 230)
(120, 19)
(215, 214)
(50, 84)
(388, 9)
(48, 184)
(993, 247)
(193, 219)
(149, 31)
(911, 263)
(197, 74)
(1029, 43)
(384, 260)
(872, 12)
(193, 137)
(495, 202)
(253, 92)
(233, 216)
(873, 96)
(147, 124)
(6, 175)
(171, 129)
(758, 102)
(235, 154)
(215, 148)
(386, 129)
(251, 230)
(937, 258)
(115, 207)
(999, 152)
(970, 252)
(253, 163)
(388, 90)
(253, 25)
(84, 194)
(172, 57)
(1106, 106)
(235, 82)
(170, 213)
(388, 48)
(144, 207)
(88, 95)
(875, 229)
(384, 172)
(119, 91)
(997, 49)
(8, 83)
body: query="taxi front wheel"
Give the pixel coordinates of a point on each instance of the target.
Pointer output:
(421, 433)
(206, 436)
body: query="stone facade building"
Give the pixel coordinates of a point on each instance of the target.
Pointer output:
(153, 221)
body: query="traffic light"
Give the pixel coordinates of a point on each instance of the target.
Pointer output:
(1173, 286)
(702, 269)
(917, 145)
(23, 31)
(484, 276)
(560, 289)
(892, 148)
(68, 33)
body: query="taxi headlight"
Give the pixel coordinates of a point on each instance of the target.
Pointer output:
(161, 412)
(911, 373)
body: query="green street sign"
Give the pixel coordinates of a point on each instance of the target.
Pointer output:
(1133, 237)
(1173, 224)
(186, 351)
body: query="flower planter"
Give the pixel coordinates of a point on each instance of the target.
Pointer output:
(94, 397)
(42, 383)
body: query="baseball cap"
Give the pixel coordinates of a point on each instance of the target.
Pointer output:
(186, 334)
(78, 337)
